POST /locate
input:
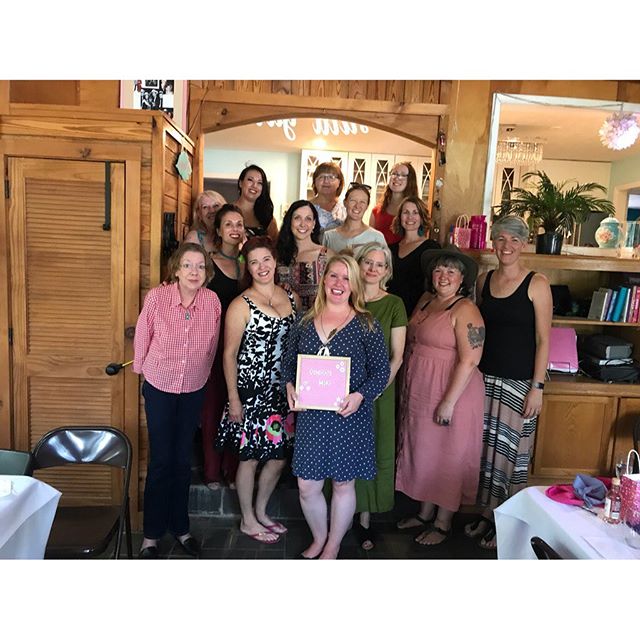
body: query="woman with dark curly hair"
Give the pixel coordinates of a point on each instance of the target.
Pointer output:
(301, 259)
(255, 203)
(256, 422)
(442, 398)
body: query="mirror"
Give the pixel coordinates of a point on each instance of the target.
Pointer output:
(568, 131)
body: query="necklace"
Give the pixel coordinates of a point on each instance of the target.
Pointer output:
(269, 301)
(335, 330)
(236, 259)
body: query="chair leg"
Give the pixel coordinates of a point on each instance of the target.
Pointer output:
(128, 531)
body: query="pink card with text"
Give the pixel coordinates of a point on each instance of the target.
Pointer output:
(322, 382)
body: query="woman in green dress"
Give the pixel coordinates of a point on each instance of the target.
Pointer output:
(376, 496)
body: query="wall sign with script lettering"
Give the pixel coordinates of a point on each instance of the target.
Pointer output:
(322, 382)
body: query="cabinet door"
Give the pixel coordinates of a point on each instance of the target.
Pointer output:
(573, 436)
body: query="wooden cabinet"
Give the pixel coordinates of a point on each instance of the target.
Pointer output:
(585, 425)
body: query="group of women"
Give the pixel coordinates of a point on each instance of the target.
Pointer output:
(331, 285)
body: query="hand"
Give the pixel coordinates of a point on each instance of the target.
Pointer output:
(351, 404)
(236, 412)
(292, 397)
(442, 414)
(532, 403)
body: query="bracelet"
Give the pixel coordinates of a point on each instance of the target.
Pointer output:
(537, 385)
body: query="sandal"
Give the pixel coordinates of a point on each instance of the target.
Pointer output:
(488, 540)
(364, 535)
(475, 525)
(424, 522)
(446, 534)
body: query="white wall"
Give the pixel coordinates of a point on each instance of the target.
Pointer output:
(561, 170)
(282, 169)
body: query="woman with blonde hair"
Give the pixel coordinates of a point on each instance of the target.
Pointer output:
(205, 208)
(377, 495)
(403, 183)
(337, 445)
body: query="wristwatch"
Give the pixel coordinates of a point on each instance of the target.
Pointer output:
(537, 385)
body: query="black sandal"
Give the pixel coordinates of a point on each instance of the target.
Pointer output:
(446, 534)
(475, 524)
(364, 535)
(488, 537)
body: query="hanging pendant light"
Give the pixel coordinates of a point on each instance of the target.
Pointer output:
(619, 131)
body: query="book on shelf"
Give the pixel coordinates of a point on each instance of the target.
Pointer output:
(598, 300)
(625, 309)
(636, 303)
(607, 301)
(612, 304)
(620, 302)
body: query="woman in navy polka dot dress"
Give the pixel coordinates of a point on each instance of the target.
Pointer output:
(336, 444)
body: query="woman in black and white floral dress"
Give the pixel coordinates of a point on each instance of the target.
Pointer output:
(256, 422)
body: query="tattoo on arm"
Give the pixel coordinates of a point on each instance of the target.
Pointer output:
(475, 336)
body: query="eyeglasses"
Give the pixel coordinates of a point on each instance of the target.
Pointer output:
(376, 265)
(359, 185)
(327, 177)
(187, 266)
(400, 176)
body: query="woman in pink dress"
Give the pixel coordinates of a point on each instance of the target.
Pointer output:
(442, 398)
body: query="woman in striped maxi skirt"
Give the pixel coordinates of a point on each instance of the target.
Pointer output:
(516, 306)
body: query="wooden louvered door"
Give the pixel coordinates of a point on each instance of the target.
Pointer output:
(67, 306)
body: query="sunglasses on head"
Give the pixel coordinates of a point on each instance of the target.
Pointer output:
(360, 185)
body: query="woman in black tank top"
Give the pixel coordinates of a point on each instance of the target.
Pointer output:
(516, 306)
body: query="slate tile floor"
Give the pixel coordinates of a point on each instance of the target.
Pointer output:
(221, 539)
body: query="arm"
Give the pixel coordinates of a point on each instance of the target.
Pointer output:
(235, 324)
(377, 371)
(144, 330)
(469, 331)
(272, 230)
(540, 295)
(398, 337)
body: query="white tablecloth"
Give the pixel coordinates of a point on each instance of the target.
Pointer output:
(26, 516)
(570, 530)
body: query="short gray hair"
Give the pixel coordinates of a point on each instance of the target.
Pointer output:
(513, 225)
(366, 249)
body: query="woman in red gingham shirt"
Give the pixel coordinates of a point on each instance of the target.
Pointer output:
(175, 343)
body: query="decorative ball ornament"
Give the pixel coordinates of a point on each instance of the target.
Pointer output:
(619, 131)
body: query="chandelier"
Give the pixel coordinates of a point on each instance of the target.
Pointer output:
(518, 152)
(619, 131)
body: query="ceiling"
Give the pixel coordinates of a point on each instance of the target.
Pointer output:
(568, 133)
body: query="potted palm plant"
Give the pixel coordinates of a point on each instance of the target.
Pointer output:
(556, 207)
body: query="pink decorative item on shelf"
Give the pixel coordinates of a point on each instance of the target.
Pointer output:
(478, 226)
(630, 491)
(462, 232)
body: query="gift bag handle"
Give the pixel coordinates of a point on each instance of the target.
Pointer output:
(462, 221)
(629, 460)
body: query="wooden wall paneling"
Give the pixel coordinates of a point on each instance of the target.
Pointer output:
(300, 87)
(357, 90)
(158, 186)
(73, 128)
(4, 96)
(371, 89)
(99, 94)
(132, 286)
(413, 91)
(317, 88)
(394, 91)
(281, 86)
(46, 91)
(628, 417)
(6, 439)
(629, 91)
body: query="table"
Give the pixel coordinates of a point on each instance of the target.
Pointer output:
(570, 530)
(26, 516)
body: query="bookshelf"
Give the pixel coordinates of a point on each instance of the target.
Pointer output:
(585, 425)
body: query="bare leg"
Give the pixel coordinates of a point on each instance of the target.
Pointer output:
(443, 522)
(343, 506)
(314, 507)
(365, 531)
(266, 484)
(245, 479)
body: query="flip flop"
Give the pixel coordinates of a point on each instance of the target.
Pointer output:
(475, 524)
(276, 527)
(259, 537)
(445, 533)
(487, 538)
